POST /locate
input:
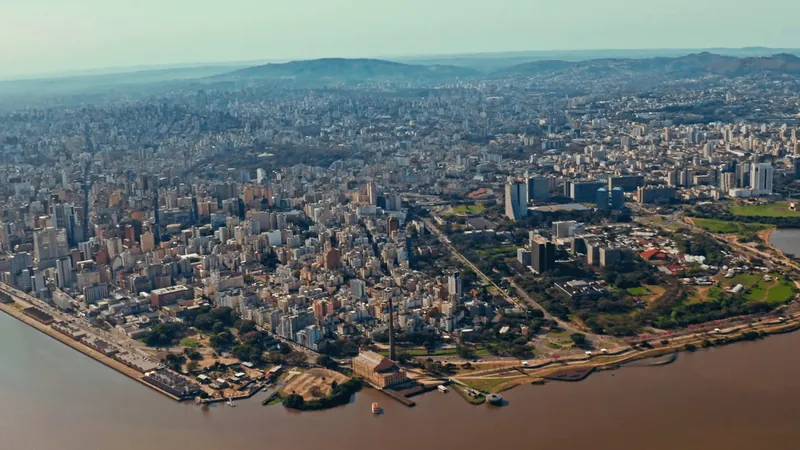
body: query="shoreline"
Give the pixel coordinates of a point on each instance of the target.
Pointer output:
(111, 363)
(530, 375)
(538, 375)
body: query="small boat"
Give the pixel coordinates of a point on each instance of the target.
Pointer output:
(231, 402)
(442, 388)
(376, 408)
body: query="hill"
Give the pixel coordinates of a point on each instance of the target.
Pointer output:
(341, 69)
(697, 64)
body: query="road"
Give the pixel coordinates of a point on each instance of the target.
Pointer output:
(443, 238)
(513, 300)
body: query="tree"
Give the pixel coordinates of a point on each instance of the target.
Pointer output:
(465, 352)
(174, 362)
(246, 326)
(192, 366)
(579, 339)
(296, 358)
(218, 327)
(327, 362)
(294, 401)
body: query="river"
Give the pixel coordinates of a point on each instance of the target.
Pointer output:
(788, 240)
(742, 396)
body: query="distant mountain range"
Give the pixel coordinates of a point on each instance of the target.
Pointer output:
(355, 70)
(698, 64)
(342, 69)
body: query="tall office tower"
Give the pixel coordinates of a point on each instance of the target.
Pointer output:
(602, 198)
(672, 178)
(543, 255)
(617, 198)
(392, 355)
(49, 244)
(667, 134)
(727, 181)
(686, 178)
(63, 272)
(516, 200)
(743, 174)
(455, 286)
(372, 194)
(156, 225)
(261, 176)
(64, 216)
(538, 188)
(761, 178)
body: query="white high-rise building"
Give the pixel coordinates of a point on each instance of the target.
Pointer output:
(516, 200)
(761, 178)
(455, 286)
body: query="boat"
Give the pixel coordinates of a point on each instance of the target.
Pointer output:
(376, 408)
(442, 388)
(231, 402)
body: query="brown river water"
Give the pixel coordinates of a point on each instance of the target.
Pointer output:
(744, 396)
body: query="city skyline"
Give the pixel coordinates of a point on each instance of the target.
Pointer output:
(52, 38)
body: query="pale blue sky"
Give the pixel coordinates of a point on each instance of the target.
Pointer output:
(51, 36)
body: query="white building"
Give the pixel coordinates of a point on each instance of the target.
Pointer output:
(761, 179)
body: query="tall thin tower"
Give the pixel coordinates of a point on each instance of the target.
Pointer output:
(391, 331)
(156, 227)
(85, 186)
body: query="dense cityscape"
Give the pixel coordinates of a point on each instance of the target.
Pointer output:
(450, 230)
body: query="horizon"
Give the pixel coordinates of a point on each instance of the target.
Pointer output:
(52, 37)
(407, 59)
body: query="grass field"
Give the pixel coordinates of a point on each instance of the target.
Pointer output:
(191, 343)
(493, 385)
(723, 227)
(777, 290)
(770, 210)
(638, 291)
(745, 279)
(508, 251)
(469, 209)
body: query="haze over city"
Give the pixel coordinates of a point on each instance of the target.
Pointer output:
(224, 224)
(55, 37)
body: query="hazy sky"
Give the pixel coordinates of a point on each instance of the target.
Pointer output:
(51, 36)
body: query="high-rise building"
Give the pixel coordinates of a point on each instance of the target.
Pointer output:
(64, 272)
(538, 188)
(617, 198)
(629, 183)
(761, 176)
(524, 256)
(563, 229)
(602, 198)
(455, 286)
(516, 200)
(156, 224)
(49, 244)
(372, 194)
(584, 192)
(543, 255)
(727, 181)
(655, 194)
